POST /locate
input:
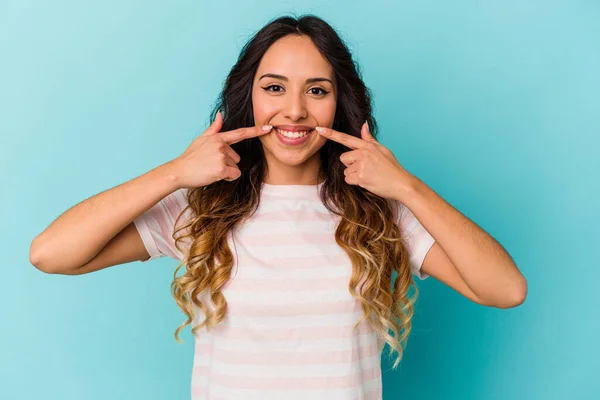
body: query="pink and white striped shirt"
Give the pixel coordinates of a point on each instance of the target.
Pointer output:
(288, 333)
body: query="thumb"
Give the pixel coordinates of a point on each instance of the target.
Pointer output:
(365, 133)
(216, 124)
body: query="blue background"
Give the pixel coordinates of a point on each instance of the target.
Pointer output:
(495, 105)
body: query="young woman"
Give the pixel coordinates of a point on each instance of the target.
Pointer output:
(290, 219)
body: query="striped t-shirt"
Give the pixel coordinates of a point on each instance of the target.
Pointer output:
(289, 328)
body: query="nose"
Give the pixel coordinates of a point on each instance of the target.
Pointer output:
(295, 106)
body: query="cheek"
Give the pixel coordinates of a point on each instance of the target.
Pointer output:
(324, 113)
(263, 108)
(320, 142)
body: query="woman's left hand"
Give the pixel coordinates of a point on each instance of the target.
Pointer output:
(370, 164)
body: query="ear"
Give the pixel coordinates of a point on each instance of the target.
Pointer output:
(365, 133)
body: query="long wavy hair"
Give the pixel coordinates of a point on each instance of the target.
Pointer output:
(367, 230)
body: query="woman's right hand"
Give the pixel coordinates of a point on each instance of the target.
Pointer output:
(209, 158)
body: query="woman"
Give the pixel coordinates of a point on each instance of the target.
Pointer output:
(290, 176)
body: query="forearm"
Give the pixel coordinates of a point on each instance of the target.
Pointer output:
(482, 262)
(81, 232)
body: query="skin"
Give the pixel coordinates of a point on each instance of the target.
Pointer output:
(293, 101)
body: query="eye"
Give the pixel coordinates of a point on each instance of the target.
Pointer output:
(273, 86)
(324, 92)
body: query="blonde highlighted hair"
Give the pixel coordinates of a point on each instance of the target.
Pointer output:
(368, 230)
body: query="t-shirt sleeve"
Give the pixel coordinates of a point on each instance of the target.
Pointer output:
(157, 225)
(417, 240)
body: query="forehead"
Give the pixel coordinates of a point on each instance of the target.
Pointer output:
(295, 57)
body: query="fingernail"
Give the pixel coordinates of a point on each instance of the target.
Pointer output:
(321, 129)
(266, 128)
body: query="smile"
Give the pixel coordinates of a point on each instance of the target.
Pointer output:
(292, 138)
(292, 134)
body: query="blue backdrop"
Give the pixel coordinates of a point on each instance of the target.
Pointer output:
(495, 105)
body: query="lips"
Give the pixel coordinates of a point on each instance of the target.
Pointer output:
(294, 138)
(293, 134)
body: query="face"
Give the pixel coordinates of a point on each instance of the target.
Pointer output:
(294, 90)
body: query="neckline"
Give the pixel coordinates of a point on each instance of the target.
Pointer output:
(291, 189)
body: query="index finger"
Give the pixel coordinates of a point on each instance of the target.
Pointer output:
(347, 140)
(237, 135)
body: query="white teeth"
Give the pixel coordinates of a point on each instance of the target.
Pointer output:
(292, 135)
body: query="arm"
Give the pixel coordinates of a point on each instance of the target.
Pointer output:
(102, 230)
(83, 232)
(464, 256)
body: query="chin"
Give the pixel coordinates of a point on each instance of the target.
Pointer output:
(289, 157)
(292, 161)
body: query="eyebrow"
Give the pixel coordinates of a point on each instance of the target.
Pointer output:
(283, 78)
